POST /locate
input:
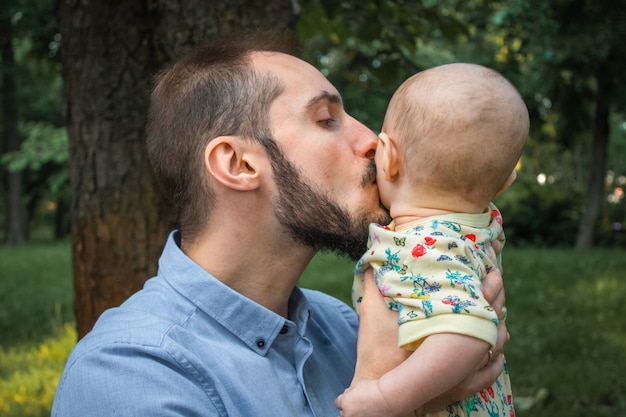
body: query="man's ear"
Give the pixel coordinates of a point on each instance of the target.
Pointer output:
(389, 160)
(233, 162)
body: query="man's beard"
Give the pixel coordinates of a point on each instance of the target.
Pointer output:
(312, 217)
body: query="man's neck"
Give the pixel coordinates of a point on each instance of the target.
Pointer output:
(263, 270)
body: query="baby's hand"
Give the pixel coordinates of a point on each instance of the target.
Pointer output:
(363, 399)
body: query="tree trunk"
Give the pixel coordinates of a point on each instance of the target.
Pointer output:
(15, 233)
(595, 186)
(110, 52)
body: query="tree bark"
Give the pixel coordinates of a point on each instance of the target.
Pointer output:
(110, 52)
(595, 186)
(15, 232)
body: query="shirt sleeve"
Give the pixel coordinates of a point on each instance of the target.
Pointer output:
(125, 379)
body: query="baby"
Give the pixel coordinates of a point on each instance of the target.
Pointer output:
(450, 141)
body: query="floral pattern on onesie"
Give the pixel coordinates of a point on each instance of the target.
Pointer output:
(431, 274)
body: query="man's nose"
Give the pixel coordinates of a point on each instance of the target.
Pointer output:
(366, 141)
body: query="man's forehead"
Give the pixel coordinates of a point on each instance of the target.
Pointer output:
(273, 61)
(294, 73)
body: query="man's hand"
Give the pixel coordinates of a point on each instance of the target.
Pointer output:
(377, 344)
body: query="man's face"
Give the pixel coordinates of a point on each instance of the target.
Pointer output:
(323, 168)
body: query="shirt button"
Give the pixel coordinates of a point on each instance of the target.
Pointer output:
(260, 343)
(284, 330)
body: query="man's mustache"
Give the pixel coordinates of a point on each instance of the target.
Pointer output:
(370, 175)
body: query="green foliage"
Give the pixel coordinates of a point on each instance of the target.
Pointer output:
(618, 139)
(550, 50)
(368, 48)
(44, 143)
(540, 215)
(44, 149)
(559, 53)
(566, 47)
(38, 71)
(554, 52)
(543, 207)
(39, 106)
(39, 83)
(34, 20)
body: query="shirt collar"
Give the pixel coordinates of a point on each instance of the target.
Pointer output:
(254, 324)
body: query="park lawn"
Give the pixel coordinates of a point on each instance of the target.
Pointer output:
(565, 310)
(36, 325)
(566, 313)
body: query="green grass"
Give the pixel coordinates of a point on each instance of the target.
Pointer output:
(29, 375)
(36, 325)
(35, 292)
(566, 319)
(566, 313)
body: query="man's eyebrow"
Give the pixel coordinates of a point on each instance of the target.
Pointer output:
(325, 95)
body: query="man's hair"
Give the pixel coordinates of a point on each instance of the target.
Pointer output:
(212, 91)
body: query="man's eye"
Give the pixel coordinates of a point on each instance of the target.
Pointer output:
(327, 122)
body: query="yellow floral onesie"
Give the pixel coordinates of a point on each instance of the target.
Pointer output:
(431, 272)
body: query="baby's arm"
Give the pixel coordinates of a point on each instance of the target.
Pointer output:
(440, 363)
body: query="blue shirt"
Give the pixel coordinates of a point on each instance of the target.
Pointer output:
(188, 345)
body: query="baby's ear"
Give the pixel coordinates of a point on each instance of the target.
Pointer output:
(389, 157)
(233, 162)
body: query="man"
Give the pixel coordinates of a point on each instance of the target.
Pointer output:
(265, 168)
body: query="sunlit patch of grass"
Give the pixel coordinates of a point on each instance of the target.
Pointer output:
(29, 375)
(36, 325)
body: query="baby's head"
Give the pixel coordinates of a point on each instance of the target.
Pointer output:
(459, 129)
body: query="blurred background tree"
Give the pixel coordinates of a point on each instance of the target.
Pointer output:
(35, 179)
(110, 53)
(565, 57)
